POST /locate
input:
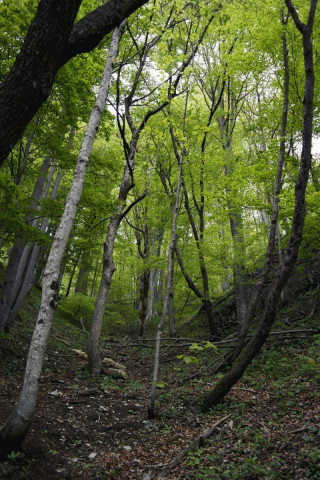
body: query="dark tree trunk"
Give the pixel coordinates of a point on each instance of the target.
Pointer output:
(172, 328)
(29, 82)
(83, 277)
(51, 41)
(144, 290)
(274, 227)
(290, 256)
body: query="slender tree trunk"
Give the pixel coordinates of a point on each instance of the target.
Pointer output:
(175, 210)
(204, 274)
(26, 282)
(94, 353)
(72, 275)
(273, 225)
(17, 261)
(21, 417)
(153, 278)
(154, 274)
(83, 276)
(291, 253)
(236, 227)
(23, 165)
(93, 286)
(144, 289)
(172, 328)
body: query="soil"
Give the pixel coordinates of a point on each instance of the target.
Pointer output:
(89, 428)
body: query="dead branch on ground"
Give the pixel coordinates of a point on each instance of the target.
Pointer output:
(192, 445)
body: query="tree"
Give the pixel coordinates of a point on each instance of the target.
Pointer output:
(20, 419)
(52, 40)
(280, 277)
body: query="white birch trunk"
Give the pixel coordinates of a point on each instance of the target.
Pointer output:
(21, 417)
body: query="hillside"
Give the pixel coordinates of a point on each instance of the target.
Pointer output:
(89, 428)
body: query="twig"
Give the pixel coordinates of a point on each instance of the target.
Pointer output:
(302, 429)
(201, 371)
(194, 443)
(63, 341)
(245, 389)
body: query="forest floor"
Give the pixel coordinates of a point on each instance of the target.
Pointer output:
(87, 428)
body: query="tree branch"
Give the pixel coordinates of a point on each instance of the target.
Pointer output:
(137, 200)
(293, 12)
(88, 32)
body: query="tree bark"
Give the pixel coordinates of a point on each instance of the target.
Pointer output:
(21, 417)
(18, 255)
(52, 40)
(172, 328)
(226, 126)
(83, 275)
(154, 274)
(26, 282)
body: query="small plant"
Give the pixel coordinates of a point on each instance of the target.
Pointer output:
(195, 457)
(166, 429)
(109, 383)
(53, 452)
(13, 455)
(313, 461)
(136, 386)
(196, 348)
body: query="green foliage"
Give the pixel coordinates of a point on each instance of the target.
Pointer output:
(197, 348)
(15, 17)
(109, 383)
(13, 455)
(77, 309)
(11, 207)
(188, 359)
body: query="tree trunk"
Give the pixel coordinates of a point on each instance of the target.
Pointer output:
(20, 419)
(83, 276)
(172, 329)
(151, 412)
(290, 255)
(26, 282)
(52, 40)
(94, 354)
(235, 220)
(144, 290)
(76, 261)
(175, 211)
(18, 255)
(273, 225)
(154, 275)
(93, 286)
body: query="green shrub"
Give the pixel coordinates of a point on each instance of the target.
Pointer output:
(76, 309)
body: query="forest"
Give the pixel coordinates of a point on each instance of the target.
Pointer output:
(159, 239)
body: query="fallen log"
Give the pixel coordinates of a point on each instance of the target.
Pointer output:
(111, 367)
